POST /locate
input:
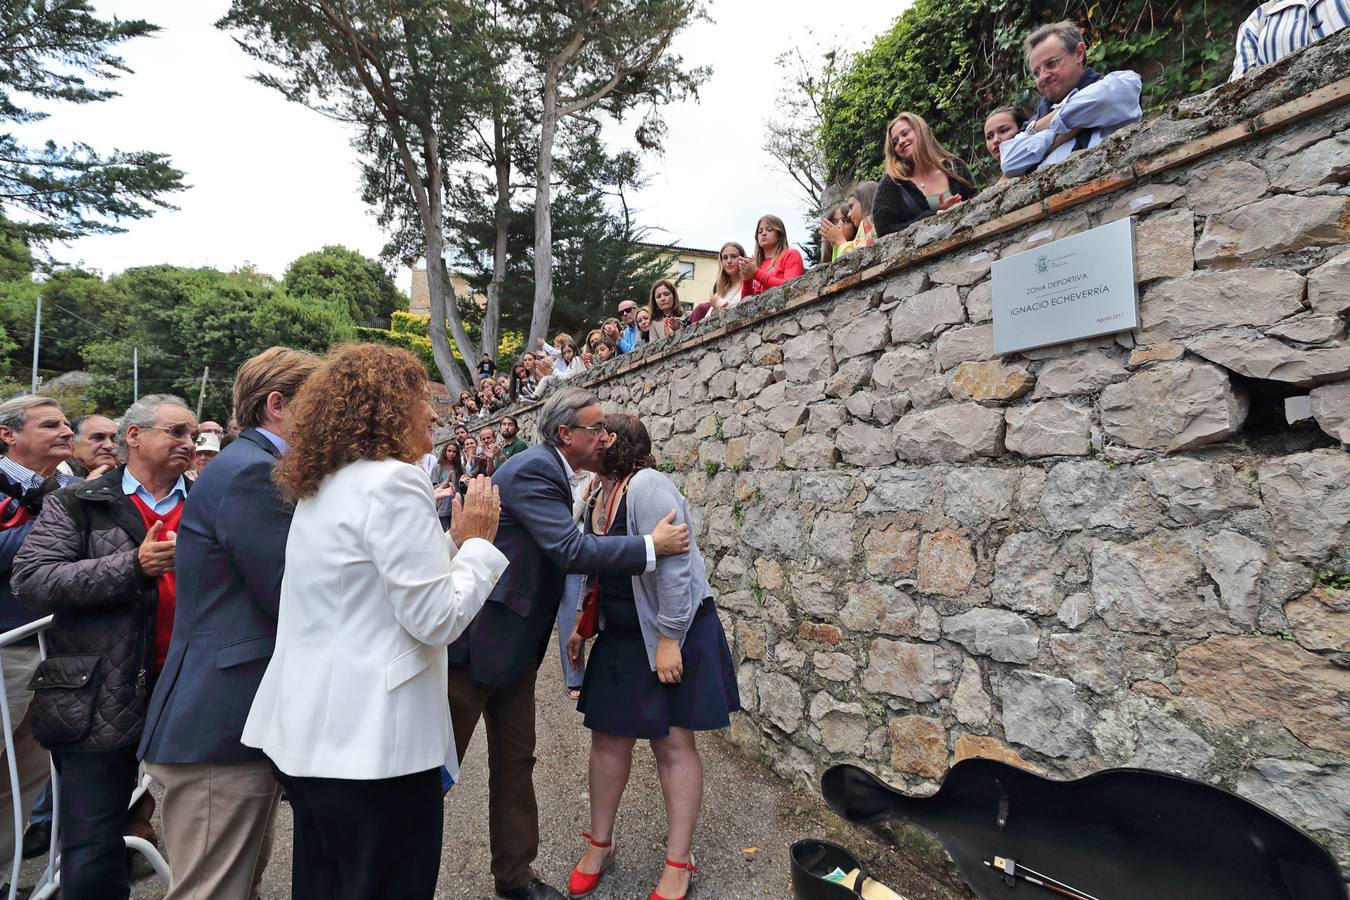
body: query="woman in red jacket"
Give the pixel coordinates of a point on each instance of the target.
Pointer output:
(775, 262)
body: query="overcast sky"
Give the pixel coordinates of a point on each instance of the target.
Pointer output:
(270, 180)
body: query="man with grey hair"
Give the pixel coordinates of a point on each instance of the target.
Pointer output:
(493, 665)
(1079, 107)
(38, 439)
(100, 558)
(95, 447)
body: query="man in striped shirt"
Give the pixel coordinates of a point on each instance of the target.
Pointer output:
(1277, 28)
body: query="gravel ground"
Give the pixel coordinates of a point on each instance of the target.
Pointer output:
(750, 818)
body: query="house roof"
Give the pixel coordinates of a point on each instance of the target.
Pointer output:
(676, 248)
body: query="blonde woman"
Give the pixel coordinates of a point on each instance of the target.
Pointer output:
(775, 263)
(727, 291)
(922, 177)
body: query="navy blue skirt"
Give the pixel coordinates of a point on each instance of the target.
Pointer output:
(621, 695)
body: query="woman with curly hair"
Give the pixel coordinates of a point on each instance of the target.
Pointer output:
(351, 710)
(660, 669)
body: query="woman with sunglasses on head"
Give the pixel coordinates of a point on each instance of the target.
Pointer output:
(660, 669)
(922, 177)
(775, 263)
(836, 230)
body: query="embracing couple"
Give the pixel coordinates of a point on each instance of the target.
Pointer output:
(660, 671)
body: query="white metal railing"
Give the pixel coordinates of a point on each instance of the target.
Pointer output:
(50, 881)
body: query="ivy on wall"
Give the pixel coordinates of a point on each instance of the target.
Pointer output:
(953, 61)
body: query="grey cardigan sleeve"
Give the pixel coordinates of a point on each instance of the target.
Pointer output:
(651, 496)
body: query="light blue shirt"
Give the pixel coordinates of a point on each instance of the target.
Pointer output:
(1101, 108)
(277, 440)
(27, 478)
(628, 341)
(133, 488)
(1277, 28)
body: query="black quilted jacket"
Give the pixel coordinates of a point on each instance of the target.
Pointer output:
(80, 563)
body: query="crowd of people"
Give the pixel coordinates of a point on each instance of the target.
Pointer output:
(323, 599)
(325, 612)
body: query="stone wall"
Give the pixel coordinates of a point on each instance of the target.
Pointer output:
(1115, 552)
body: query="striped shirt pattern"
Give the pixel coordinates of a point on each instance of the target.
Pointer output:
(26, 477)
(1278, 28)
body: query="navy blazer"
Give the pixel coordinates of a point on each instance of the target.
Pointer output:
(231, 556)
(540, 538)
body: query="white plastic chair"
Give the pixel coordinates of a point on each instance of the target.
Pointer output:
(50, 880)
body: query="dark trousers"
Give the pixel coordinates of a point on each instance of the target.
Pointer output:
(513, 814)
(365, 840)
(96, 788)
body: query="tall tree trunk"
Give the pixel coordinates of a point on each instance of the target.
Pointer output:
(442, 295)
(543, 212)
(502, 217)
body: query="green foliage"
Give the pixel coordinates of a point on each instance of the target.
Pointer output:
(737, 513)
(711, 467)
(409, 331)
(742, 464)
(56, 53)
(345, 280)
(665, 465)
(1337, 581)
(953, 61)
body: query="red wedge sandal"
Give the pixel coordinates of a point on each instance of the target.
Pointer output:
(689, 867)
(583, 884)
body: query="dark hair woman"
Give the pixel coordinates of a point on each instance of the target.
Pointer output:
(775, 263)
(922, 177)
(663, 302)
(371, 598)
(836, 230)
(446, 474)
(1000, 125)
(660, 669)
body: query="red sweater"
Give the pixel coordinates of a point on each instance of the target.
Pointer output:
(772, 273)
(168, 582)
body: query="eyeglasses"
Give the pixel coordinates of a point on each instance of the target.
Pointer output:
(1050, 65)
(178, 432)
(593, 429)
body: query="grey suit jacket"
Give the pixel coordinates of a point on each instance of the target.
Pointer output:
(540, 539)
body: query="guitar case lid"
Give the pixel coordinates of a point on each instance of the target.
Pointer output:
(1117, 833)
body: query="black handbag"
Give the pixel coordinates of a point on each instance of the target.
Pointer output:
(1112, 834)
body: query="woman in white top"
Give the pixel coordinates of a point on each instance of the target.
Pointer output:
(351, 710)
(727, 291)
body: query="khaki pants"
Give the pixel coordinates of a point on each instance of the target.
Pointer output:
(218, 822)
(34, 765)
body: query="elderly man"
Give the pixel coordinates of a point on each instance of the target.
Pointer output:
(101, 559)
(1079, 107)
(231, 556)
(1278, 28)
(208, 448)
(39, 440)
(631, 337)
(95, 447)
(494, 663)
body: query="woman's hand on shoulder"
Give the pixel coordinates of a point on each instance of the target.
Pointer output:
(477, 516)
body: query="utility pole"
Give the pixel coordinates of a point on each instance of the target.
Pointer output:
(37, 341)
(135, 374)
(201, 395)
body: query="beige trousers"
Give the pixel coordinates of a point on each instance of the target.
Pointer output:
(217, 827)
(34, 763)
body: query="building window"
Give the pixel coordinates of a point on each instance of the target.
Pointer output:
(684, 270)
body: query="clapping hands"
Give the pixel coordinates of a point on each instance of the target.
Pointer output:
(477, 516)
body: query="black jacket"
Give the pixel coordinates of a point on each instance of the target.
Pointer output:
(899, 202)
(80, 564)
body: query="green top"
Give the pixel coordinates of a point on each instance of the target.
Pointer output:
(511, 449)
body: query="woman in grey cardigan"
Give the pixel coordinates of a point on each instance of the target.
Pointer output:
(660, 669)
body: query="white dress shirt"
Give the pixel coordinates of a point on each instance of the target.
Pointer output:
(1277, 28)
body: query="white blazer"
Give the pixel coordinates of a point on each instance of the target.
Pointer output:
(356, 687)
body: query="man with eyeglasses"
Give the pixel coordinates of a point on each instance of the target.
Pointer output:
(101, 558)
(494, 663)
(1079, 107)
(630, 337)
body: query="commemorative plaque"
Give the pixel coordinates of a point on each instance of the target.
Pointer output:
(1079, 287)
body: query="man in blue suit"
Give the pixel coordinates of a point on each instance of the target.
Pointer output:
(220, 797)
(493, 664)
